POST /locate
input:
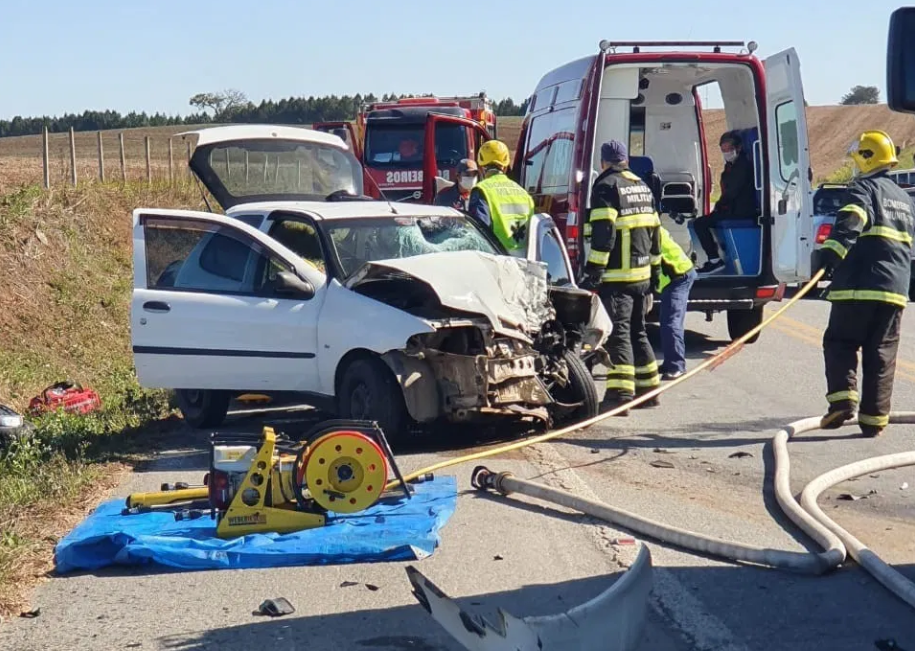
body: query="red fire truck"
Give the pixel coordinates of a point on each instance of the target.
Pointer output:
(389, 139)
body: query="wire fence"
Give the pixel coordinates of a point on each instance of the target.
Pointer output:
(78, 158)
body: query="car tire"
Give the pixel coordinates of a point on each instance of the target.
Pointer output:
(369, 391)
(201, 408)
(740, 322)
(581, 388)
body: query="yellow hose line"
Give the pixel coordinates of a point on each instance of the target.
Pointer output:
(712, 362)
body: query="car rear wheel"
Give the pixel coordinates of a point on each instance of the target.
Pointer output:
(740, 322)
(201, 408)
(369, 391)
(580, 389)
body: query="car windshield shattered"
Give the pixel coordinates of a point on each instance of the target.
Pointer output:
(358, 241)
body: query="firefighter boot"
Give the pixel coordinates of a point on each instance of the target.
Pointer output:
(612, 400)
(871, 431)
(838, 413)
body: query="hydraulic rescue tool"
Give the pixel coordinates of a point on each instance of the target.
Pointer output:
(266, 482)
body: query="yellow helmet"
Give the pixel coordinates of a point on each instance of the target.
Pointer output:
(494, 152)
(872, 151)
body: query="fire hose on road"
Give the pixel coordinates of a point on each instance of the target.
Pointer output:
(615, 616)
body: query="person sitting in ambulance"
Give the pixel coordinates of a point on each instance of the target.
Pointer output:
(457, 195)
(737, 201)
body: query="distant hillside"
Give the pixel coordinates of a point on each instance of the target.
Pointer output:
(830, 130)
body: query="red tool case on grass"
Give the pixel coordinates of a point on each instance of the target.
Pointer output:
(67, 395)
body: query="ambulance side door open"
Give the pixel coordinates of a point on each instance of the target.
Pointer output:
(430, 163)
(789, 172)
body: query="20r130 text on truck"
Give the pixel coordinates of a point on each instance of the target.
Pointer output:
(649, 96)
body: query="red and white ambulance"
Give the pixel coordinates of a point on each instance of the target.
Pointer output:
(648, 94)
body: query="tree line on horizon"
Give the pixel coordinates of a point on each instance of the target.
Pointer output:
(233, 107)
(226, 107)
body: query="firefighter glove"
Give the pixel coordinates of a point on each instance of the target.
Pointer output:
(825, 259)
(591, 277)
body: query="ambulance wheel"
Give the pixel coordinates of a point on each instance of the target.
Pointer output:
(369, 391)
(740, 322)
(581, 389)
(202, 409)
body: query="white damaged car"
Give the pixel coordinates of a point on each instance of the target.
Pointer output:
(401, 313)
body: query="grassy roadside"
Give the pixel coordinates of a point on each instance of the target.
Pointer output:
(65, 283)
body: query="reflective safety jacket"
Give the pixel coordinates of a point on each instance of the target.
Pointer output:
(674, 261)
(509, 206)
(873, 239)
(624, 229)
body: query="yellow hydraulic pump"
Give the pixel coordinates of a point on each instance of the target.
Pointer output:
(268, 483)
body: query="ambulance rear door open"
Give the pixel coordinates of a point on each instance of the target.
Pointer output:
(789, 173)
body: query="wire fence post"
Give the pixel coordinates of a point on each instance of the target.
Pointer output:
(73, 157)
(123, 157)
(45, 158)
(171, 163)
(148, 163)
(101, 158)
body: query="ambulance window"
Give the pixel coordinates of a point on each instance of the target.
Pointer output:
(637, 131)
(558, 163)
(786, 132)
(548, 158)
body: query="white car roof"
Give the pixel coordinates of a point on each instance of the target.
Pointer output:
(347, 209)
(228, 133)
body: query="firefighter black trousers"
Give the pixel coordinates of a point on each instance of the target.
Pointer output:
(873, 328)
(635, 368)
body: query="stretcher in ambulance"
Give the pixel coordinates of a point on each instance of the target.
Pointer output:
(649, 96)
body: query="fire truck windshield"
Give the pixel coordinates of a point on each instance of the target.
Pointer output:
(401, 145)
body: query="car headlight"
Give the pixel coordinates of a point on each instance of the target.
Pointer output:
(11, 421)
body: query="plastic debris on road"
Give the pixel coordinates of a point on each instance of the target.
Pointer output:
(394, 529)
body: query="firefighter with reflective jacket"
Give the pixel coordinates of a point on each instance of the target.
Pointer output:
(868, 255)
(623, 265)
(497, 201)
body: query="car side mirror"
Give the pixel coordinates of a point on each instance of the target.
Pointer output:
(288, 284)
(900, 61)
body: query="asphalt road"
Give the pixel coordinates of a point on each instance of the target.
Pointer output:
(531, 558)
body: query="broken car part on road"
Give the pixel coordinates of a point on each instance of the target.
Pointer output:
(613, 620)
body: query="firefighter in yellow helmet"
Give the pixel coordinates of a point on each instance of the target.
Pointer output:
(497, 201)
(868, 257)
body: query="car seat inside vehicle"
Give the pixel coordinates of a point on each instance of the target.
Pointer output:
(662, 111)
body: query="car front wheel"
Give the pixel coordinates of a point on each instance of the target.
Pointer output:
(369, 391)
(580, 390)
(201, 408)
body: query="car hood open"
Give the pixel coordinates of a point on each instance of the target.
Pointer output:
(512, 293)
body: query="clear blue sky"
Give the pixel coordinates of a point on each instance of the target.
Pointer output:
(152, 55)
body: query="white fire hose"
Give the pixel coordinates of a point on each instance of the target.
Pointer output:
(616, 617)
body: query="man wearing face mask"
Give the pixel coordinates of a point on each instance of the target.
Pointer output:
(457, 196)
(737, 199)
(497, 201)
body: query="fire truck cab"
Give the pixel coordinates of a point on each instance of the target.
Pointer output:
(649, 97)
(389, 138)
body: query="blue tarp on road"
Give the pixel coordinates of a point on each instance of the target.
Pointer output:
(394, 529)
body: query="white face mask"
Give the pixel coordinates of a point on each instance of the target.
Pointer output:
(467, 182)
(730, 156)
